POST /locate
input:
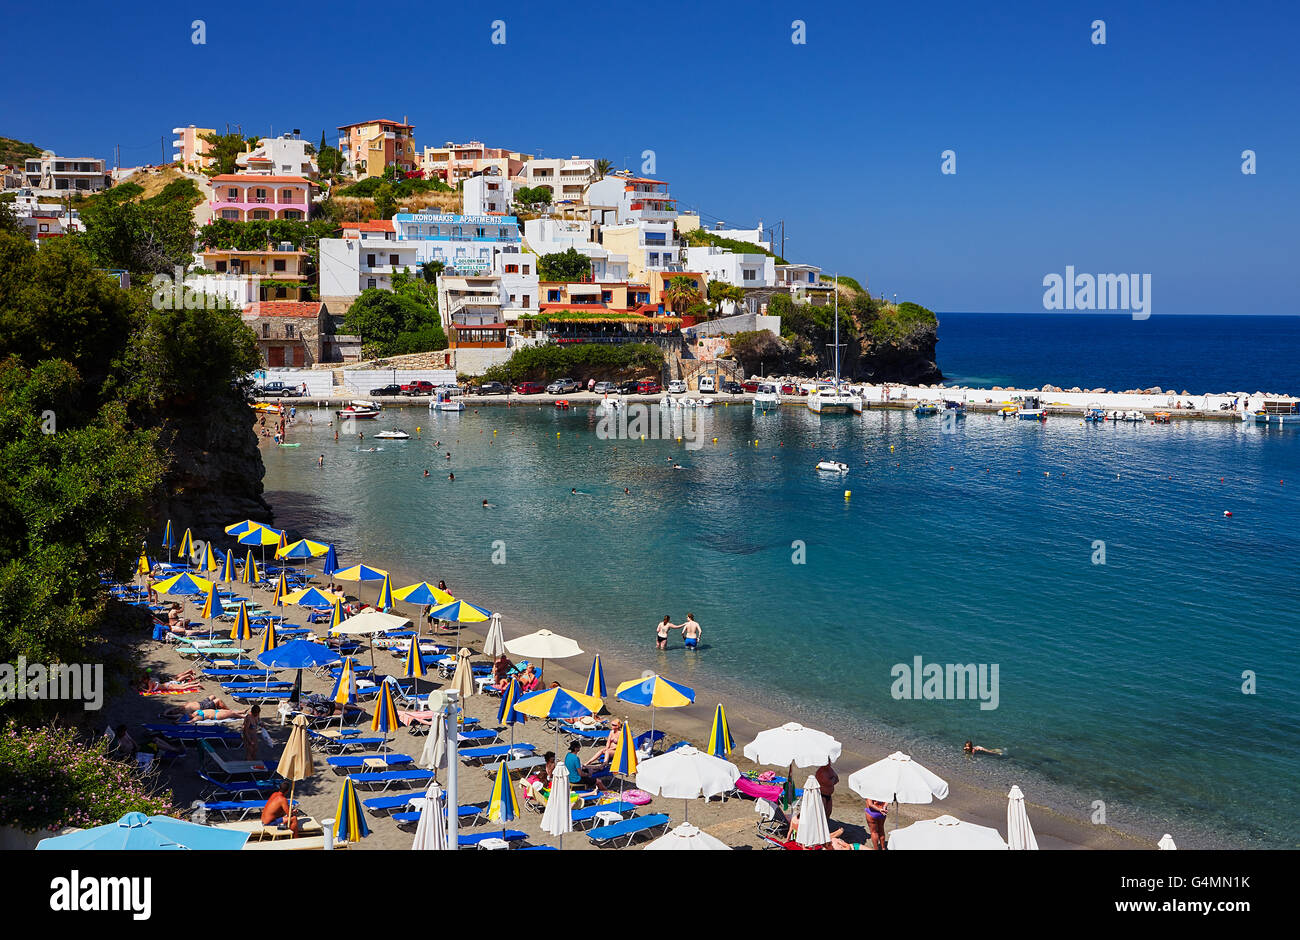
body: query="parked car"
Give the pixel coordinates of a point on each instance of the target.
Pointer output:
(447, 390)
(706, 384)
(387, 390)
(789, 388)
(492, 388)
(418, 388)
(750, 387)
(277, 390)
(605, 388)
(562, 387)
(629, 387)
(647, 387)
(733, 388)
(529, 388)
(676, 387)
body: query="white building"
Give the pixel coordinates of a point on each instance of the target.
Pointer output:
(629, 198)
(489, 193)
(648, 246)
(750, 271)
(44, 219)
(804, 284)
(552, 235)
(368, 255)
(278, 156)
(50, 174)
(465, 243)
(566, 180)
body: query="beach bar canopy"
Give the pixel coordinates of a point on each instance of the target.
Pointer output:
(140, 833)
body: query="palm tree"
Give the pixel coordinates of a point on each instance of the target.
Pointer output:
(602, 168)
(681, 293)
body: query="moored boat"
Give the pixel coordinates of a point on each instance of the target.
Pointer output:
(832, 466)
(767, 398)
(924, 408)
(396, 434)
(360, 409)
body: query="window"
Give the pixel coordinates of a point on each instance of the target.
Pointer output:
(44, 227)
(292, 214)
(288, 330)
(528, 269)
(479, 232)
(221, 267)
(370, 282)
(553, 296)
(232, 195)
(748, 274)
(266, 331)
(606, 296)
(261, 213)
(279, 264)
(370, 263)
(392, 259)
(512, 269)
(232, 214)
(527, 301)
(259, 195)
(283, 292)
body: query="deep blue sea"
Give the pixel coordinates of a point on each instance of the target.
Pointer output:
(1202, 354)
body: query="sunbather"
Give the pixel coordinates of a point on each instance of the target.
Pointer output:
(538, 783)
(185, 709)
(530, 681)
(278, 811)
(606, 753)
(213, 714)
(499, 670)
(186, 681)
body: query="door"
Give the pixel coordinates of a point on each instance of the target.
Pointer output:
(299, 356)
(275, 356)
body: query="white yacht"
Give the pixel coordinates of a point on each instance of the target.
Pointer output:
(835, 399)
(768, 397)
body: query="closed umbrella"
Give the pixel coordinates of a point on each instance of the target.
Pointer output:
(494, 644)
(296, 760)
(344, 692)
(506, 713)
(946, 832)
(350, 815)
(431, 830)
(331, 564)
(212, 607)
(138, 832)
(385, 601)
(558, 816)
(385, 717)
(623, 762)
(209, 558)
(434, 755)
(462, 680)
(144, 565)
(792, 743)
(1166, 843)
(186, 547)
(686, 774)
(813, 826)
(721, 743)
(169, 540)
(336, 615)
(596, 679)
(414, 668)
(281, 589)
(686, 838)
(250, 574)
(227, 573)
(1020, 835)
(503, 805)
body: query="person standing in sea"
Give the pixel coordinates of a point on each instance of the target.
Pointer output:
(691, 631)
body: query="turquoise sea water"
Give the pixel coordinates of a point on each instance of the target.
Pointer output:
(1119, 682)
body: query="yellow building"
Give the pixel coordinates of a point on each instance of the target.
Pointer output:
(190, 150)
(369, 147)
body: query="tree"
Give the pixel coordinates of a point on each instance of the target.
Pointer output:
(570, 265)
(223, 149)
(398, 321)
(141, 237)
(385, 202)
(758, 350)
(535, 196)
(602, 168)
(721, 292)
(431, 269)
(681, 293)
(329, 161)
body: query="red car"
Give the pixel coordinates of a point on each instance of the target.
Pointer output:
(529, 388)
(647, 387)
(750, 387)
(418, 388)
(788, 389)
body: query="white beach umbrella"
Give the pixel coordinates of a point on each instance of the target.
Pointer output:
(558, 817)
(1020, 835)
(494, 643)
(1166, 842)
(813, 827)
(686, 774)
(946, 832)
(434, 755)
(792, 743)
(371, 621)
(687, 838)
(431, 830)
(898, 779)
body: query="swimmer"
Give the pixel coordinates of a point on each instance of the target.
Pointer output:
(451, 476)
(320, 461)
(677, 466)
(426, 474)
(976, 749)
(625, 492)
(485, 504)
(448, 455)
(573, 492)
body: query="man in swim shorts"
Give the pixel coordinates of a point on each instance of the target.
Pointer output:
(691, 632)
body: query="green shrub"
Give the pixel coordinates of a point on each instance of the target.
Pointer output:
(553, 361)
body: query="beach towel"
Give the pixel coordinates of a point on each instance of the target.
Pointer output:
(188, 690)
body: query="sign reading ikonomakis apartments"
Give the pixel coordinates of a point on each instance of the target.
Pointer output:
(430, 219)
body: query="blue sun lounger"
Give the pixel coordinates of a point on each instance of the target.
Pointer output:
(182, 733)
(386, 778)
(479, 735)
(237, 808)
(588, 813)
(250, 672)
(347, 762)
(276, 686)
(628, 829)
(262, 695)
(237, 789)
(471, 755)
(471, 811)
(595, 736)
(341, 742)
(472, 841)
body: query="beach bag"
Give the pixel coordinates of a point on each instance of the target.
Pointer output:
(160, 632)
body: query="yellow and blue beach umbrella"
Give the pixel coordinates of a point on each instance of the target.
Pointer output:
(251, 574)
(183, 584)
(336, 615)
(261, 535)
(144, 565)
(311, 597)
(360, 573)
(345, 686)
(596, 679)
(169, 539)
(303, 548)
(227, 573)
(503, 807)
(461, 612)
(423, 593)
(655, 691)
(351, 816)
(414, 664)
(385, 601)
(558, 703)
(720, 740)
(242, 629)
(385, 717)
(506, 712)
(269, 640)
(187, 545)
(281, 589)
(239, 528)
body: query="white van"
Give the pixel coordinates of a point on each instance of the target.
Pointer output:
(706, 384)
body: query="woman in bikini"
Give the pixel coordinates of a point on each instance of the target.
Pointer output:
(661, 632)
(876, 813)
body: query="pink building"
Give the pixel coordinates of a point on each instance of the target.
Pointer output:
(248, 197)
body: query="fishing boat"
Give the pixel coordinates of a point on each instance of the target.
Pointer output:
(445, 401)
(1008, 410)
(1161, 417)
(924, 408)
(1278, 412)
(360, 409)
(1094, 414)
(954, 409)
(396, 434)
(1031, 410)
(1133, 417)
(835, 399)
(832, 466)
(767, 398)
(562, 404)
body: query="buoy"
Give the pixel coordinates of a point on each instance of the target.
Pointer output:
(891, 448)
(1226, 513)
(557, 433)
(755, 442)
(847, 494)
(715, 440)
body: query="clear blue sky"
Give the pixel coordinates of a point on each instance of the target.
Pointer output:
(1116, 158)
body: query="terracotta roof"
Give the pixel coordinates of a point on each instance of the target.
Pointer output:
(258, 178)
(344, 127)
(374, 225)
(284, 308)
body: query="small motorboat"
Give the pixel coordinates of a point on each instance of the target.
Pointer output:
(446, 402)
(396, 434)
(360, 409)
(562, 404)
(924, 408)
(832, 466)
